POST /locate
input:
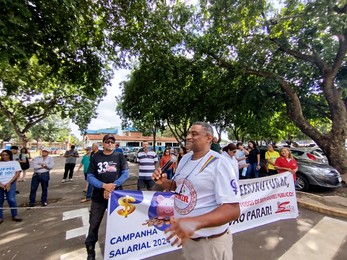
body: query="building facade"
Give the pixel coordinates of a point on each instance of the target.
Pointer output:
(127, 138)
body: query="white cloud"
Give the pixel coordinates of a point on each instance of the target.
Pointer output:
(107, 116)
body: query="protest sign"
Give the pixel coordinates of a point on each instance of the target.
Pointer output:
(265, 200)
(136, 220)
(135, 224)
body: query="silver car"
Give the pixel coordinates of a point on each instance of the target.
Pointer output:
(132, 154)
(311, 173)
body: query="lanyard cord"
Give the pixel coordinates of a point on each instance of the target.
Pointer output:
(188, 174)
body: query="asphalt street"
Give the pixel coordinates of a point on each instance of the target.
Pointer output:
(58, 230)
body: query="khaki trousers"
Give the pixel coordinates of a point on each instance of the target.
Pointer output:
(219, 248)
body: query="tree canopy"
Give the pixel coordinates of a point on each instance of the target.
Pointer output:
(52, 61)
(294, 52)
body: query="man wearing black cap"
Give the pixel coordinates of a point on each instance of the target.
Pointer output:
(107, 171)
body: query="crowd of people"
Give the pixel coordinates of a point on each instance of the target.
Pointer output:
(203, 176)
(12, 163)
(247, 162)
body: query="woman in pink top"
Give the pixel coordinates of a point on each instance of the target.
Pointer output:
(286, 162)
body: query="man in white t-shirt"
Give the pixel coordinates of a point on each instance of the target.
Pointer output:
(206, 198)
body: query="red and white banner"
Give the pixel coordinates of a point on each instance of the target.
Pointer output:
(136, 220)
(266, 200)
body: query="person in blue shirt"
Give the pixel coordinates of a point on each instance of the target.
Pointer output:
(85, 163)
(118, 149)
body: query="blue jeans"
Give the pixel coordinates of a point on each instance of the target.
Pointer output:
(38, 178)
(11, 200)
(252, 170)
(89, 191)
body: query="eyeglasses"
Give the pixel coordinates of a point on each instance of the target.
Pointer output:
(233, 151)
(5, 154)
(109, 142)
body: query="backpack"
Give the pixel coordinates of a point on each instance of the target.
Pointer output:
(25, 165)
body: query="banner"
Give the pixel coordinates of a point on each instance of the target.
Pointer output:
(135, 224)
(136, 220)
(265, 200)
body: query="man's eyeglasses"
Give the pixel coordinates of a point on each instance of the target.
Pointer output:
(109, 142)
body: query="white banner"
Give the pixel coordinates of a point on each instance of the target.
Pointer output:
(266, 200)
(136, 220)
(135, 224)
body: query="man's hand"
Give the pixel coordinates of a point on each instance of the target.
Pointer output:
(180, 230)
(158, 176)
(107, 194)
(109, 187)
(7, 186)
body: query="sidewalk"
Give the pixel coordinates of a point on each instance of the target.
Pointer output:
(332, 205)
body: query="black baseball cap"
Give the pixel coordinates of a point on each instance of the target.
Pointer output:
(108, 136)
(14, 147)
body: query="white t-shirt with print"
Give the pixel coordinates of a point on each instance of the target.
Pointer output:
(8, 170)
(202, 186)
(240, 154)
(234, 163)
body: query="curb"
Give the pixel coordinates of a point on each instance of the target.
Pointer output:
(322, 209)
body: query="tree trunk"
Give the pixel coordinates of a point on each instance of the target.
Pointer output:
(332, 143)
(334, 148)
(24, 140)
(154, 138)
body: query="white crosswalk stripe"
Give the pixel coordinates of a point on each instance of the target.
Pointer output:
(81, 231)
(321, 242)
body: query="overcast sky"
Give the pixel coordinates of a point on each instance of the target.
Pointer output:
(106, 110)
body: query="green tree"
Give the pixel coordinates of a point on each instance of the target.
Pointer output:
(292, 47)
(52, 61)
(299, 48)
(6, 130)
(159, 103)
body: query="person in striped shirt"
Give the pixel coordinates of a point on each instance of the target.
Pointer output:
(148, 163)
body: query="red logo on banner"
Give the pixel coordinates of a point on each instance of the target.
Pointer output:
(283, 207)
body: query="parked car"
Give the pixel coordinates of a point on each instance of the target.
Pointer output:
(132, 154)
(126, 150)
(314, 154)
(310, 173)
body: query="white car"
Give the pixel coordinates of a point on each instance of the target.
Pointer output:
(310, 153)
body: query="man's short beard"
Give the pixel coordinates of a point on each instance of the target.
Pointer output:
(109, 149)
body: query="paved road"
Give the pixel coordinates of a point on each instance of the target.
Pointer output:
(58, 231)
